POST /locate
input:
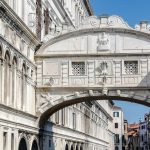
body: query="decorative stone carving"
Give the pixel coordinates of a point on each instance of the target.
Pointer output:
(51, 81)
(116, 21)
(90, 22)
(103, 42)
(46, 100)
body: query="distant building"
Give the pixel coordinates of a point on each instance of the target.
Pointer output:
(118, 127)
(125, 139)
(144, 132)
(133, 137)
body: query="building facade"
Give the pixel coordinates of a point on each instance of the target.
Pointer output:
(125, 139)
(118, 119)
(81, 126)
(144, 132)
(133, 137)
(24, 25)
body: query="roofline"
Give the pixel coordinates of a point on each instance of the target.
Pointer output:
(85, 31)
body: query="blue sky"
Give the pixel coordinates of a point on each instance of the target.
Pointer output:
(132, 11)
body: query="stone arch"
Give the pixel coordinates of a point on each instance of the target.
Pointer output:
(66, 147)
(8, 53)
(72, 147)
(23, 144)
(34, 145)
(77, 147)
(15, 60)
(23, 67)
(81, 148)
(116, 148)
(71, 99)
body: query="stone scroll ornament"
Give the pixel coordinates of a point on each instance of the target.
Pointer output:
(47, 100)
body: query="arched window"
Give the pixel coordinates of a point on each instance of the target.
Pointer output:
(116, 148)
(34, 145)
(71, 147)
(76, 147)
(23, 88)
(66, 148)
(22, 144)
(14, 78)
(6, 78)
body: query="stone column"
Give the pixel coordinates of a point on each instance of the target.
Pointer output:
(69, 145)
(8, 140)
(10, 86)
(18, 89)
(1, 136)
(66, 116)
(2, 79)
(16, 140)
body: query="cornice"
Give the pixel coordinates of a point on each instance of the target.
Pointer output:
(103, 55)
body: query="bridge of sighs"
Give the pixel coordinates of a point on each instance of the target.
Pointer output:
(103, 59)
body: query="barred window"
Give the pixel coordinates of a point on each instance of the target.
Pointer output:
(131, 67)
(78, 68)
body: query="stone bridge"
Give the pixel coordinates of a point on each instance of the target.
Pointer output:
(104, 59)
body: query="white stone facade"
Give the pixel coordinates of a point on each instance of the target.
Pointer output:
(54, 55)
(79, 126)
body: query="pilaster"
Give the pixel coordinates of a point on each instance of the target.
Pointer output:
(8, 140)
(1, 137)
(65, 72)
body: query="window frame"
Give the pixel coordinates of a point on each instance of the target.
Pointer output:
(116, 125)
(117, 114)
(70, 68)
(130, 60)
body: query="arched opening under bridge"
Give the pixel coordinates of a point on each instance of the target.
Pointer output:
(85, 97)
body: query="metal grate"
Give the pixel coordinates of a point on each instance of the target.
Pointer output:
(78, 68)
(131, 67)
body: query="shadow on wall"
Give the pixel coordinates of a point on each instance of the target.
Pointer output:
(145, 81)
(46, 137)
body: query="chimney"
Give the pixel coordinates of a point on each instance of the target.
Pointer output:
(143, 25)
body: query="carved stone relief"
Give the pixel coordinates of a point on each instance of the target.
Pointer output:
(103, 42)
(47, 100)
